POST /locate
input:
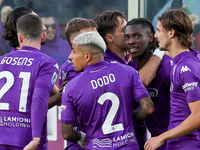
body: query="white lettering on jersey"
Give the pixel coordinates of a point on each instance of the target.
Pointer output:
(113, 61)
(102, 81)
(19, 61)
(189, 86)
(184, 69)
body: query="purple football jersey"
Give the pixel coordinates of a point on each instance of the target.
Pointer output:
(185, 87)
(140, 128)
(111, 57)
(103, 104)
(159, 91)
(67, 72)
(27, 77)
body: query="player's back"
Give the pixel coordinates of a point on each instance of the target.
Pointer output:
(103, 99)
(21, 72)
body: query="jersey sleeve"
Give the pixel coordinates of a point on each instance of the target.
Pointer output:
(46, 79)
(189, 79)
(139, 90)
(68, 111)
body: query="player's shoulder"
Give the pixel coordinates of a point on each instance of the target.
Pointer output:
(122, 67)
(66, 65)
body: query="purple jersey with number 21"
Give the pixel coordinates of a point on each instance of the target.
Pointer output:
(101, 98)
(26, 80)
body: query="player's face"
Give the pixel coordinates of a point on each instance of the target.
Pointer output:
(50, 28)
(77, 58)
(118, 35)
(138, 39)
(162, 37)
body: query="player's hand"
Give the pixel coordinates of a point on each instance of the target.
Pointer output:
(153, 143)
(33, 144)
(62, 86)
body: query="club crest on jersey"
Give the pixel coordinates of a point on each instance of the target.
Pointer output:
(185, 69)
(54, 77)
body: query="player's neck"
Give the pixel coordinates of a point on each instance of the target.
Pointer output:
(176, 49)
(36, 45)
(119, 52)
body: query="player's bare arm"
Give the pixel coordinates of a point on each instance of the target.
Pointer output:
(69, 134)
(146, 108)
(187, 126)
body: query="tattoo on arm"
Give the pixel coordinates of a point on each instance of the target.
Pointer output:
(146, 108)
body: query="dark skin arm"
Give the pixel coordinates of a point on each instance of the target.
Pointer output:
(56, 93)
(148, 71)
(69, 134)
(146, 108)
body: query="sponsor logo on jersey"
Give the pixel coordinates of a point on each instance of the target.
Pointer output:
(189, 86)
(116, 142)
(102, 142)
(15, 122)
(185, 69)
(152, 92)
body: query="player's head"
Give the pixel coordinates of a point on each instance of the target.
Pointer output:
(51, 27)
(78, 25)
(139, 36)
(111, 25)
(30, 29)
(87, 48)
(174, 23)
(10, 30)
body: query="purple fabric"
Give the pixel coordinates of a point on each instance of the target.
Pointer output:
(139, 126)
(97, 91)
(67, 72)
(30, 76)
(59, 49)
(185, 88)
(111, 57)
(159, 91)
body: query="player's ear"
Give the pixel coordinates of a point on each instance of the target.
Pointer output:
(43, 36)
(109, 38)
(20, 38)
(151, 38)
(88, 57)
(71, 40)
(171, 33)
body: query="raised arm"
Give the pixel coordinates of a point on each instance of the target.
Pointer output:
(148, 71)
